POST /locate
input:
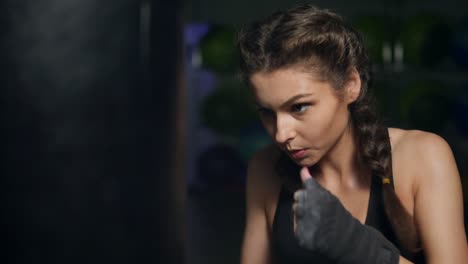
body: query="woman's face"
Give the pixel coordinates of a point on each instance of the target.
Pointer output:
(304, 116)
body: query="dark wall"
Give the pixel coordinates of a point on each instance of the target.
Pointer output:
(88, 132)
(244, 11)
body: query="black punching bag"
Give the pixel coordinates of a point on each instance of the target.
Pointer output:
(88, 132)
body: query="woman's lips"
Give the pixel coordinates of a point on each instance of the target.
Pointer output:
(298, 154)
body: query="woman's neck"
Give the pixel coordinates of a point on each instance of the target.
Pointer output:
(341, 166)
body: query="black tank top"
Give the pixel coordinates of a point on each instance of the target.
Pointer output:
(286, 248)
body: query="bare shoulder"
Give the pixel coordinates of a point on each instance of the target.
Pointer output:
(420, 145)
(427, 159)
(262, 162)
(261, 169)
(263, 157)
(414, 136)
(421, 153)
(259, 187)
(263, 181)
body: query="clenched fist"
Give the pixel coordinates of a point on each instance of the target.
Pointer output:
(322, 224)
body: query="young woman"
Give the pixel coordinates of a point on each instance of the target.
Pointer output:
(338, 186)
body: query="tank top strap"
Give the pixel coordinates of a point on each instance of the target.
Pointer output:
(390, 169)
(373, 204)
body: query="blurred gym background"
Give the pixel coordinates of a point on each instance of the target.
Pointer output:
(126, 133)
(420, 70)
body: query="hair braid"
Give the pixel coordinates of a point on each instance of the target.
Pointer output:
(375, 152)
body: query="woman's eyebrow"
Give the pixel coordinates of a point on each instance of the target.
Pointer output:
(294, 98)
(287, 102)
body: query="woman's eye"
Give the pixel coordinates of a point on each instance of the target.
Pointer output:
(300, 108)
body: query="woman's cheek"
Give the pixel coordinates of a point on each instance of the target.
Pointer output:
(315, 123)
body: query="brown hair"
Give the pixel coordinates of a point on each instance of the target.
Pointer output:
(322, 42)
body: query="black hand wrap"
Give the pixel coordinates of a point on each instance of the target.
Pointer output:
(325, 226)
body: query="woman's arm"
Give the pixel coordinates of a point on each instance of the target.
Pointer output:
(438, 201)
(256, 243)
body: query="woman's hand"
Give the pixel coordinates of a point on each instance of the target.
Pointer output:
(313, 209)
(323, 225)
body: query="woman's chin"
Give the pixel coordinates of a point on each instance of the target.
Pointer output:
(305, 162)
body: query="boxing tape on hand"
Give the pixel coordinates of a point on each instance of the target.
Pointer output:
(325, 226)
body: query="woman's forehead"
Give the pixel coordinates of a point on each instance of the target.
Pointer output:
(280, 85)
(286, 80)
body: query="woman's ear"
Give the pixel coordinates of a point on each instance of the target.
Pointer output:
(353, 87)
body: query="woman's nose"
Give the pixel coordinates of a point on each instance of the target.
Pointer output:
(284, 131)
